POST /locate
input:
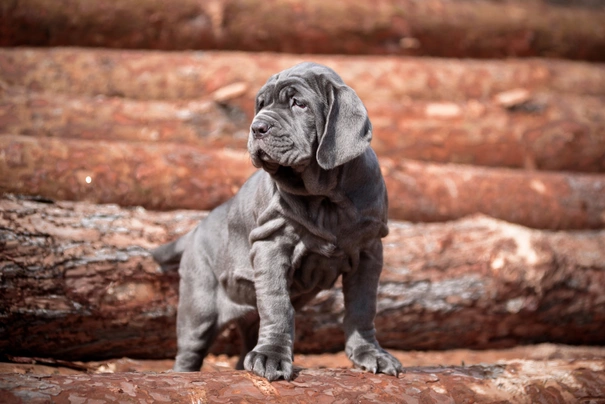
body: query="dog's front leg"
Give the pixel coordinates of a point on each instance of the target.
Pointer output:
(360, 290)
(272, 356)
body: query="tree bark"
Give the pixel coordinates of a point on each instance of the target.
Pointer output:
(425, 192)
(203, 122)
(171, 176)
(192, 75)
(484, 29)
(158, 176)
(520, 382)
(78, 283)
(537, 131)
(542, 131)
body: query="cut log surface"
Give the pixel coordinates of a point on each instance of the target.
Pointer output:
(540, 131)
(77, 281)
(170, 176)
(484, 28)
(522, 381)
(192, 75)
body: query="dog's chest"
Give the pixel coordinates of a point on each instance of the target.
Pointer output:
(326, 245)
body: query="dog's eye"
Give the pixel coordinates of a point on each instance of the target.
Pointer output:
(260, 104)
(298, 103)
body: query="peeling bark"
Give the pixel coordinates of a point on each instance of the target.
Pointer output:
(170, 176)
(485, 29)
(538, 131)
(193, 75)
(520, 382)
(77, 281)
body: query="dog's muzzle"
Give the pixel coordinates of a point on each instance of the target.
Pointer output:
(259, 128)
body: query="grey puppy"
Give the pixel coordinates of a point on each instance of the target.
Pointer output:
(316, 210)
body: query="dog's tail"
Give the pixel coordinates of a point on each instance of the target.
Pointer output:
(169, 255)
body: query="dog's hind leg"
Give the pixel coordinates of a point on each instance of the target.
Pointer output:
(197, 319)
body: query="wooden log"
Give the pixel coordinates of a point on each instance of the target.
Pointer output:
(78, 283)
(171, 176)
(192, 75)
(426, 192)
(202, 122)
(522, 381)
(485, 29)
(159, 176)
(541, 130)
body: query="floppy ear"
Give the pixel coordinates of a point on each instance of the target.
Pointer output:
(347, 131)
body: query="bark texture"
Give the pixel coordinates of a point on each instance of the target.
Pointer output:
(522, 381)
(542, 131)
(427, 192)
(202, 122)
(536, 131)
(77, 281)
(513, 381)
(158, 176)
(484, 29)
(171, 176)
(192, 75)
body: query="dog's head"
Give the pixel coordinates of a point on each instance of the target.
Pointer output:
(306, 115)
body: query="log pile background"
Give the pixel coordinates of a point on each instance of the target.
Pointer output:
(489, 123)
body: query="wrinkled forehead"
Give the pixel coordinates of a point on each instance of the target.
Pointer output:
(308, 70)
(302, 78)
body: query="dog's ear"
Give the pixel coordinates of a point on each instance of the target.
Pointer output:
(347, 131)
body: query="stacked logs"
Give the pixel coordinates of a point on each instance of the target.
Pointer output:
(176, 137)
(170, 150)
(78, 281)
(521, 141)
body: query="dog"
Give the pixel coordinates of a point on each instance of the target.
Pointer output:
(316, 210)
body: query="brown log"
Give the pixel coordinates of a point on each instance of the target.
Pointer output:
(554, 381)
(171, 176)
(159, 176)
(201, 122)
(78, 283)
(429, 192)
(192, 75)
(542, 130)
(486, 29)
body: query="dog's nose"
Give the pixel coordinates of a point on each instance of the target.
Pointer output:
(259, 129)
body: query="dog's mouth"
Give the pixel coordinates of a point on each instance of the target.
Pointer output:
(262, 155)
(260, 159)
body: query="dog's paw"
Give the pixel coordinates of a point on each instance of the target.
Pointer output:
(269, 363)
(376, 360)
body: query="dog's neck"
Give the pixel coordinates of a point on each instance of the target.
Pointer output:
(309, 181)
